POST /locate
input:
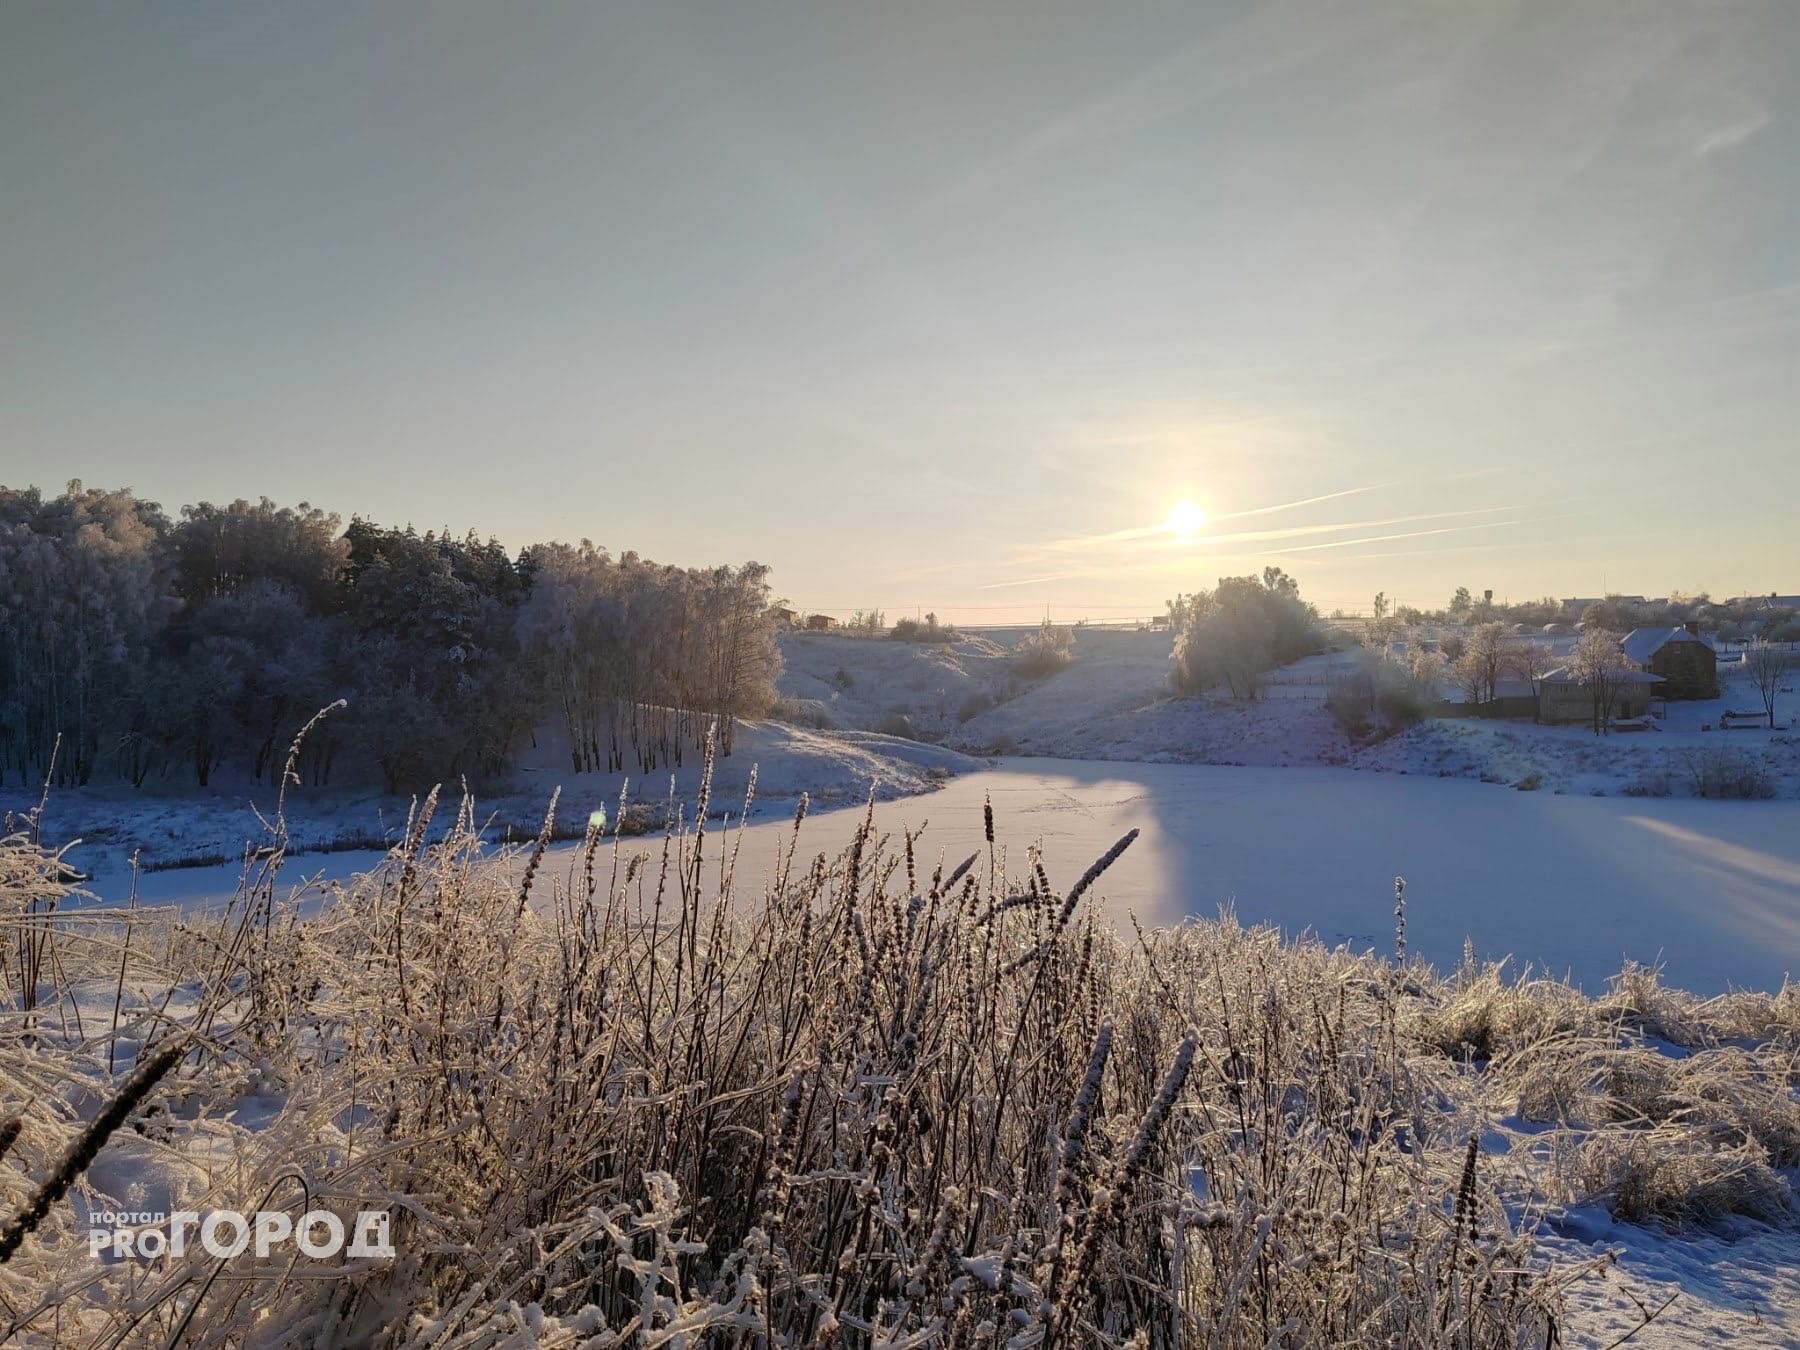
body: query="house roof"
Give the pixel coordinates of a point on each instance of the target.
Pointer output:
(1641, 644)
(1564, 675)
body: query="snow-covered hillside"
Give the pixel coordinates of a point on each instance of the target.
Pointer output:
(923, 688)
(1113, 702)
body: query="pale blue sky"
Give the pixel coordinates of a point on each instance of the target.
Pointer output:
(934, 305)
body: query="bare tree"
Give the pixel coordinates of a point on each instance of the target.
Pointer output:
(1767, 666)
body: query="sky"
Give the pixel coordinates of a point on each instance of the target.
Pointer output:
(933, 306)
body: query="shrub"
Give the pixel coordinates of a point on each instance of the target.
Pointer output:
(1678, 1174)
(1728, 774)
(974, 705)
(1044, 652)
(897, 724)
(1377, 695)
(1236, 633)
(801, 712)
(928, 630)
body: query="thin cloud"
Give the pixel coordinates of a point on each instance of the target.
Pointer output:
(1412, 534)
(1735, 134)
(1166, 540)
(1304, 501)
(1034, 581)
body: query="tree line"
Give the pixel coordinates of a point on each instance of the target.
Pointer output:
(135, 646)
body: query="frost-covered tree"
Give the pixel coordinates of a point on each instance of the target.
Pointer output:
(151, 649)
(645, 659)
(1531, 661)
(571, 624)
(445, 611)
(1477, 669)
(221, 550)
(1236, 633)
(1599, 666)
(81, 601)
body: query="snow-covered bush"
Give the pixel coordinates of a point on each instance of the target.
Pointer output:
(927, 629)
(1376, 694)
(1233, 635)
(1044, 652)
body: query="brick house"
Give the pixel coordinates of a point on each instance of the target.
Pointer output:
(1686, 661)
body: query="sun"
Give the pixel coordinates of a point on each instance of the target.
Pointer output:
(1185, 519)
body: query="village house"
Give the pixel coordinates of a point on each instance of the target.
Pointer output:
(1686, 661)
(1564, 698)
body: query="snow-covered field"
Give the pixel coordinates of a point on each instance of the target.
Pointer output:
(1264, 807)
(1582, 883)
(1575, 886)
(1113, 703)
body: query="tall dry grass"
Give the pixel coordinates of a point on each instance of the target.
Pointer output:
(619, 1096)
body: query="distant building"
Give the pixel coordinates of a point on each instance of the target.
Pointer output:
(1770, 601)
(820, 623)
(1686, 661)
(1563, 698)
(784, 616)
(1575, 605)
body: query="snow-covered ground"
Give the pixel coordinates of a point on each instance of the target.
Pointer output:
(169, 827)
(1113, 703)
(1735, 1288)
(1575, 886)
(904, 716)
(871, 683)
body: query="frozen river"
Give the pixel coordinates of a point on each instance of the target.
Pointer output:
(1573, 884)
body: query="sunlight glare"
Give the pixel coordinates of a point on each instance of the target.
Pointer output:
(1185, 519)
